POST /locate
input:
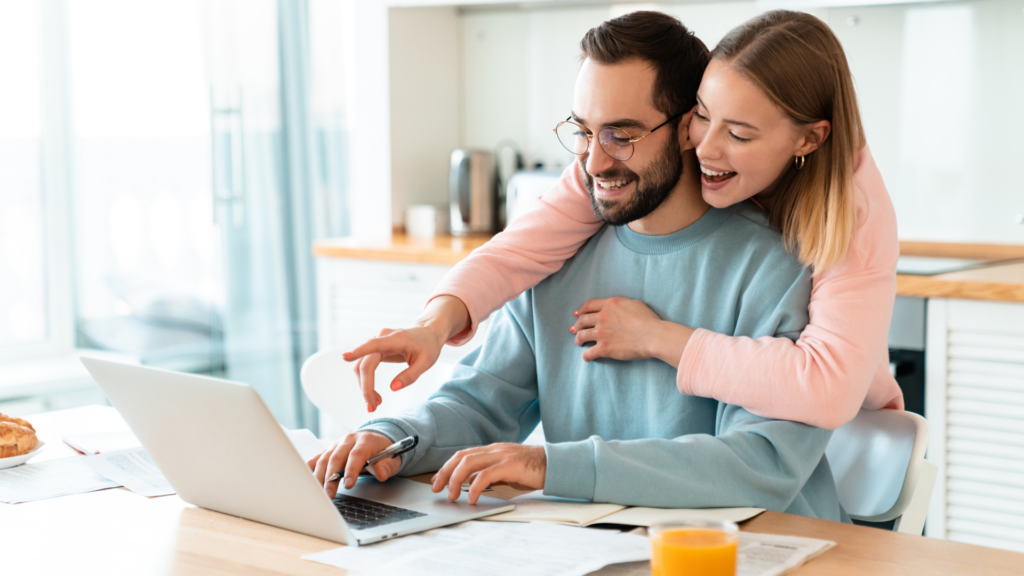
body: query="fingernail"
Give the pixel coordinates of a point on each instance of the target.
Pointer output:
(396, 385)
(576, 313)
(369, 407)
(572, 329)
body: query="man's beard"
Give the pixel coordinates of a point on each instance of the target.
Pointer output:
(653, 185)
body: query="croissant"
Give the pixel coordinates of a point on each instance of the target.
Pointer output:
(17, 437)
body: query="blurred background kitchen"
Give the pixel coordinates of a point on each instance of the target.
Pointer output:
(226, 187)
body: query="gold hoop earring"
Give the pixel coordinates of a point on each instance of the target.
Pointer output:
(798, 161)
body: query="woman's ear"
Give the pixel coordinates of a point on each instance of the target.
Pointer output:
(684, 131)
(813, 137)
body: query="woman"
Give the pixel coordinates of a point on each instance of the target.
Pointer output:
(774, 83)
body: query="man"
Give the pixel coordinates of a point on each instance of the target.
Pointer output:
(620, 431)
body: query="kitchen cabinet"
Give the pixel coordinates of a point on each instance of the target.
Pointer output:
(974, 394)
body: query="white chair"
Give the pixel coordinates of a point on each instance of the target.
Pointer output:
(877, 460)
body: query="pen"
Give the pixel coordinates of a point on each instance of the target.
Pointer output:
(396, 449)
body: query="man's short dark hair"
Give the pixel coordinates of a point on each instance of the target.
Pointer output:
(679, 58)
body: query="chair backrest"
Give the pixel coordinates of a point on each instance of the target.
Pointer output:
(333, 388)
(876, 460)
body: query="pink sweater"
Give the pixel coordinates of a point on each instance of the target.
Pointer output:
(839, 364)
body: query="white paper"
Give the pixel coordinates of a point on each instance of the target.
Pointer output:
(31, 482)
(100, 442)
(132, 468)
(772, 555)
(305, 442)
(536, 506)
(497, 549)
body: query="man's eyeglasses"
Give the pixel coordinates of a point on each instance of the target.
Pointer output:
(614, 141)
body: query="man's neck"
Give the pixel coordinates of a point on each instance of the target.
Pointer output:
(683, 206)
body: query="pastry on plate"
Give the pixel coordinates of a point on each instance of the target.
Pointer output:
(17, 437)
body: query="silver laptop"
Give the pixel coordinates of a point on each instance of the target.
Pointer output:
(220, 448)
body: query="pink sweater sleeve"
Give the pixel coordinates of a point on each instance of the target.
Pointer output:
(532, 248)
(840, 363)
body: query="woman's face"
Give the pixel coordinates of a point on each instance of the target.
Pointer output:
(743, 140)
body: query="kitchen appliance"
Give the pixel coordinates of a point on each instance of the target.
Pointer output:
(525, 189)
(427, 220)
(473, 191)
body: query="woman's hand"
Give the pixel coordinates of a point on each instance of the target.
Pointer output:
(418, 346)
(625, 329)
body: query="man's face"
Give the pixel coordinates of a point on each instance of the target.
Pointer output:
(619, 95)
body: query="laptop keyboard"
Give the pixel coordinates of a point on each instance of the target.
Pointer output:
(362, 514)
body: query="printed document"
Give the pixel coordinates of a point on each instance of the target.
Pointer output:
(498, 549)
(30, 482)
(133, 469)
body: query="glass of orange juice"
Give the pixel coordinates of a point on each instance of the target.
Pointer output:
(697, 548)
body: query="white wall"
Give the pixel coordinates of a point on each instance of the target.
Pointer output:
(424, 72)
(940, 89)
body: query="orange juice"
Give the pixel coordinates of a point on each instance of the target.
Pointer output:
(693, 551)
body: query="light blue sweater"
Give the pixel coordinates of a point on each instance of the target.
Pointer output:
(620, 431)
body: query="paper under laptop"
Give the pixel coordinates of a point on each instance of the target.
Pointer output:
(536, 507)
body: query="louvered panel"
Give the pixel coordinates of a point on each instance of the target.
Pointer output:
(986, 340)
(987, 382)
(955, 485)
(983, 437)
(978, 435)
(986, 503)
(981, 353)
(991, 517)
(970, 447)
(1015, 372)
(989, 476)
(1000, 462)
(986, 422)
(987, 529)
(1001, 397)
(984, 541)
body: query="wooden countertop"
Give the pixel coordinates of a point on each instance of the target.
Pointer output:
(449, 250)
(999, 282)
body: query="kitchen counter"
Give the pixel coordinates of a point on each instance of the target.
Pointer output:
(1000, 282)
(446, 250)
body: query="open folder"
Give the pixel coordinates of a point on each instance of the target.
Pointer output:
(535, 507)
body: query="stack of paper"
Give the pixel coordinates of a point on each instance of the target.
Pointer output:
(535, 506)
(30, 482)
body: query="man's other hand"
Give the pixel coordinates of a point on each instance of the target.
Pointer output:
(350, 454)
(522, 467)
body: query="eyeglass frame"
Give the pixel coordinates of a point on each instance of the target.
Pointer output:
(590, 136)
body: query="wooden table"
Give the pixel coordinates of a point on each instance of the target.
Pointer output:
(114, 532)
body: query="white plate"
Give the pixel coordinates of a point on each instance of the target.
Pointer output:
(17, 460)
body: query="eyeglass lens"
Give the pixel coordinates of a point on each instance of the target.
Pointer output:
(614, 141)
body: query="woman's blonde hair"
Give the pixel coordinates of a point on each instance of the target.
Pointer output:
(800, 65)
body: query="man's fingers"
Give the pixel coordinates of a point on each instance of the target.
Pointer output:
(357, 458)
(482, 481)
(474, 462)
(386, 468)
(440, 479)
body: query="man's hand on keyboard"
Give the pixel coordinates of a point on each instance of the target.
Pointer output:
(350, 454)
(522, 467)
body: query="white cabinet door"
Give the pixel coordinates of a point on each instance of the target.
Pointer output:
(975, 406)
